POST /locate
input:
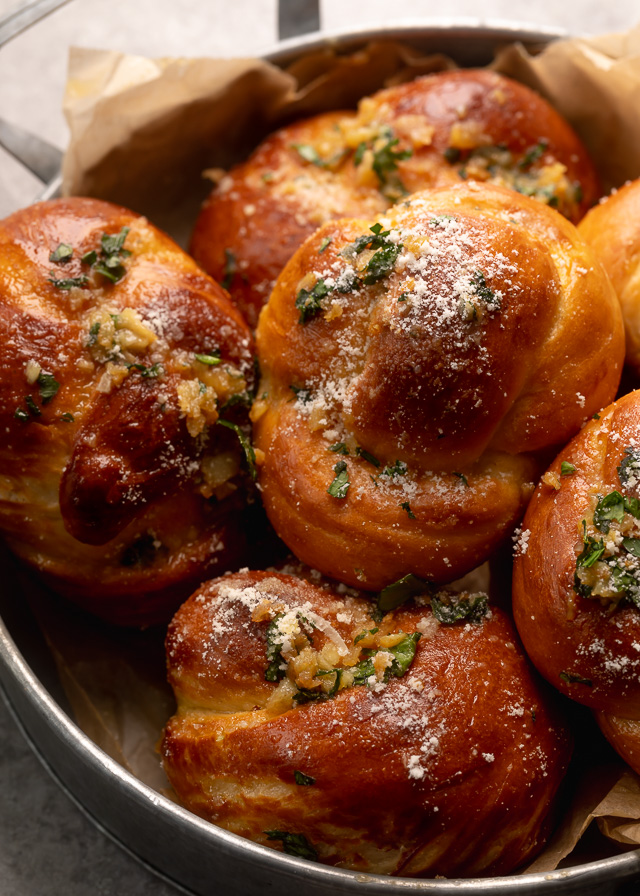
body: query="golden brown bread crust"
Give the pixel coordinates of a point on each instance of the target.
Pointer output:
(433, 131)
(108, 437)
(586, 644)
(623, 735)
(450, 768)
(438, 384)
(612, 228)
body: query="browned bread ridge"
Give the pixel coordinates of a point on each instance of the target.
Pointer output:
(441, 758)
(415, 370)
(436, 130)
(117, 486)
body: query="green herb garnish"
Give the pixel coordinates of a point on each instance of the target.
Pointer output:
(303, 780)
(403, 654)
(62, 253)
(276, 670)
(406, 506)
(451, 608)
(480, 289)
(294, 844)
(399, 592)
(246, 445)
(629, 469)
(340, 485)
(533, 154)
(32, 406)
(149, 373)
(399, 468)
(365, 455)
(67, 282)
(339, 448)
(308, 153)
(566, 469)
(21, 414)
(572, 678)
(209, 360)
(48, 386)
(323, 245)
(462, 478)
(309, 301)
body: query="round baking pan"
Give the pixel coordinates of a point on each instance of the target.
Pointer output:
(195, 855)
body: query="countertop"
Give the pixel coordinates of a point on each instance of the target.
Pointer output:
(47, 845)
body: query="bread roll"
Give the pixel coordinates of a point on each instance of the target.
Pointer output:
(415, 370)
(576, 585)
(612, 228)
(117, 358)
(399, 745)
(470, 124)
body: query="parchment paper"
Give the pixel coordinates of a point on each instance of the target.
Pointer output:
(142, 132)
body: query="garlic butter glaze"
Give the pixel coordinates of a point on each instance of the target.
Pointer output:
(118, 358)
(416, 369)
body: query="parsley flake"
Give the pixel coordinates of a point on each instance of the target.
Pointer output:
(572, 678)
(209, 360)
(302, 779)
(406, 506)
(566, 469)
(340, 485)
(48, 386)
(61, 253)
(309, 301)
(399, 592)
(450, 608)
(294, 844)
(245, 444)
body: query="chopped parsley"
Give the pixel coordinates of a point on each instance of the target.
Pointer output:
(209, 360)
(294, 844)
(403, 654)
(21, 414)
(61, 253)
(533, 154)
(149, 373)
(365, 455)
(572, 678)
(399, 592)
(67, 417)
(301, 394)
(629, 468)
(340, 485)
(48, 386)
(276, 670)
(32, 406)
(245, 444)
(406, 506)
(302, 779)
(323, 245)
(399, 468)
(480, 289)
(110, 261)
(613, 508)
(339, 448)
(386, 252)
(94, 329)
(462, 478)
(309, 301)
(450, 608)
(566, 469)
(68, 282)
(308, 153)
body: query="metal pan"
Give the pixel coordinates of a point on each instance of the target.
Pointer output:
(199, 857)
